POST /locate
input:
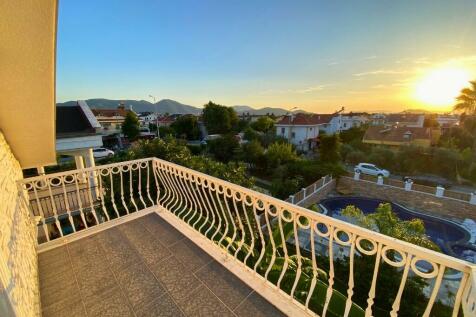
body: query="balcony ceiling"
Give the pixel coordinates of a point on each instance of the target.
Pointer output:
(27, 77)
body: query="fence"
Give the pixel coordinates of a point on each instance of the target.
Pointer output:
(326, 266)
(315, 187)
(410, 186)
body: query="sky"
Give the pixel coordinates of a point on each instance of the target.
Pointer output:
(378, 55)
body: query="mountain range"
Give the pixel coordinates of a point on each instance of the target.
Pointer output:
(167, 106)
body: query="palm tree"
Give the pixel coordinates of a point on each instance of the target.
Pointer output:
(467, 99)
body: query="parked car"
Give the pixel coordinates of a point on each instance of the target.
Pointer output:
(102, 153)
(371, 169)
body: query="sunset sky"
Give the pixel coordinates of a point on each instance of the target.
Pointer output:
(315, 55)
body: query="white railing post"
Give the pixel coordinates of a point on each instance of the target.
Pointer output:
(304, 189)
(356, 175)
(380, 180)
(315, 186)
(408, 185)
(440, 191)
(292, 198)
(472, 200)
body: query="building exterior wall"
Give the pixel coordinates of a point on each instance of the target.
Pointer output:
(301, 134)
(19, 289)
(438, 206)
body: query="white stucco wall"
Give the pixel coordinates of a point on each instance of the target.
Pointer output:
(301, 134)
(19, 290)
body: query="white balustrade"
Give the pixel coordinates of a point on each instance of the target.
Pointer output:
(302, 252)
(380, 180)
(472, 200)
(440, 191)
(356, 175)
(408, 185)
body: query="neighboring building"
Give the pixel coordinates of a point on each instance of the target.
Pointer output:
(447, 121)
(342, 122)
(302, 129)
(165, 121)
(77, 133)
(146, 118)
(398, 136)
(111, 119)
(410, 120)
(377, 119)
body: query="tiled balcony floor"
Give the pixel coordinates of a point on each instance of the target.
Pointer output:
(144, 267)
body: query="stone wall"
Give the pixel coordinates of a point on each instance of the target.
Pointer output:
(19, 290)
(318, 195)
(416, 200)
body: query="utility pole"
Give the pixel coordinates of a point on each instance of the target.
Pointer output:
(156, 114)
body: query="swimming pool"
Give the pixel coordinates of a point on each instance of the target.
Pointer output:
(445, 234)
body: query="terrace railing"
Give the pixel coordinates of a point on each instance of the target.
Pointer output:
(410, 186)
(304, 193)
(324, 266)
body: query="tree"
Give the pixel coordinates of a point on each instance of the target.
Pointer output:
(219, 119)
(430, 121)
(253, 153)
(130, 127)
(224, 148)
(467, 99)
(280, 153)
(329, 148)
(263, 124)
(385, 221)
(186, 126)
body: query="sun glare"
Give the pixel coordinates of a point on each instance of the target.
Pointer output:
(441, 86)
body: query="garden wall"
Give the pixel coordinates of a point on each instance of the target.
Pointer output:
(439, 206)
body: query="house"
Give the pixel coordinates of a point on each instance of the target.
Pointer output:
(146, 118)
(78, 132)
(111, 119)
(411, 120)
(398, 136)
(447, 121)
(165, 121)
(342, 122)
(302, 129)
(377, 119)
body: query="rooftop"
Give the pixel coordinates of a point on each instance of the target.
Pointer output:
(396, 134)
(144, 267)
(305, 119)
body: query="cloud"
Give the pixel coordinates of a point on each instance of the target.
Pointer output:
(371, 57)
(312, 89)
(333, 63)
(381, 72)
(380, 86)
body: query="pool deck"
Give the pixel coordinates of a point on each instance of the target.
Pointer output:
(144, 267)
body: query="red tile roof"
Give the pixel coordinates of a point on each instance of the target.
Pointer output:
(110, 112)
(396, 134)
(306, 119)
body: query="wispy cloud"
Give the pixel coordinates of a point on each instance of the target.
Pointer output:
(381, 72)
(333, 63)
(370, 57)
(306, 90)
(312, 89)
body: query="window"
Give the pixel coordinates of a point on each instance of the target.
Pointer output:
(283, 130)
(345, 125)
(310, 129)
(293, 135)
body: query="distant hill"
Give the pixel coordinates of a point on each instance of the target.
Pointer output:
(263, 111)
(163, 106)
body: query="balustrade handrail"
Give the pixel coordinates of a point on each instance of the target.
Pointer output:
(203, 202)
(447, 260)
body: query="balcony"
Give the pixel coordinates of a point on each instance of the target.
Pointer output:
(148, 236)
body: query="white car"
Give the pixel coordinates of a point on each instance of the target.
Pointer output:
(102, 153)
(371, 169)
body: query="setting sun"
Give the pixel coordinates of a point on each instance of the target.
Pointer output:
(440, 87)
